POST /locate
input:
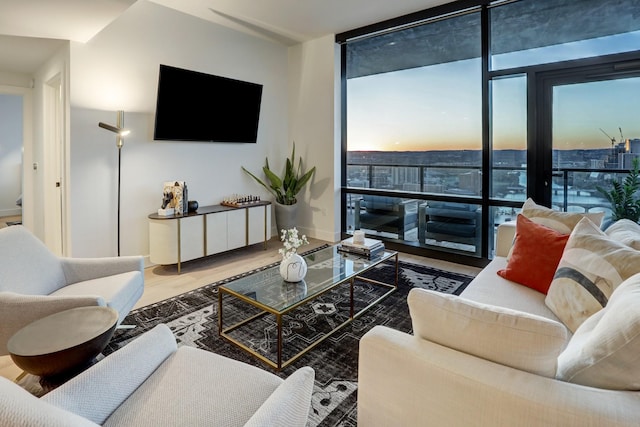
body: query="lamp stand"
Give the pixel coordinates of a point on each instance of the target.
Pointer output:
(119, 144)
(120, 132)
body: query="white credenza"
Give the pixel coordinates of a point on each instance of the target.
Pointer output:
(211, 230)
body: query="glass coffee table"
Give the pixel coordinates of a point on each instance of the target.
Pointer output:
(265, 293)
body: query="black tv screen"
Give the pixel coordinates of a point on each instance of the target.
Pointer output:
(194, 106)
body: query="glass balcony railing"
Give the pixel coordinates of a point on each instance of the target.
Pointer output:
(425, 190)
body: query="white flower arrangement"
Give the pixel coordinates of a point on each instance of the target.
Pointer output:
(292, 241)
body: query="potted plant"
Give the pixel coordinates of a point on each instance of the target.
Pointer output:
(285, 189)
(623, 195)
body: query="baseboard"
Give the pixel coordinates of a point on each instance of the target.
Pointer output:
(10, 212)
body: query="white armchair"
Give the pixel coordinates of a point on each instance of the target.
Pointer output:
(150, 382)
(35, 283)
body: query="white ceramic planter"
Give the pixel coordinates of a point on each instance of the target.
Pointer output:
(286, 216)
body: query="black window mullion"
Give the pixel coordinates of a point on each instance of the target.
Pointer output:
(485, 35)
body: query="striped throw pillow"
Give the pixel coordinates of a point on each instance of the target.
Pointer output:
(591, 267)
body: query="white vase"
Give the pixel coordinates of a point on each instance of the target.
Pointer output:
(293, 268)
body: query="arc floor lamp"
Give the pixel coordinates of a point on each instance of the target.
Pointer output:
(120, 132)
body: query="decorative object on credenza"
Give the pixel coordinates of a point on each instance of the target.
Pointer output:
(193, 205)
(175, 195)
(166, 212)
(167, 198)
(285, 189)
(120, 132)
(238, 200)
(293, 267)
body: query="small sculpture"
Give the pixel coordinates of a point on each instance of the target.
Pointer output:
(167, 199)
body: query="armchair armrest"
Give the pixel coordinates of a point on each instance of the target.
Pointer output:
(97, 392)
(81, 269)
(422, 221)
(356, 213)
(289, 404)
(504, 238)
(18, 310)
(409, 206)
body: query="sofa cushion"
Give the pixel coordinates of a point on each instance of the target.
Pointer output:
(605, 350)
(535, 256)
(451, 227)
(563, 222)
(517, 339)
(489, 288)
(592, 266)
(120, 291)
(224, 383)
(625, 231)
(97, 392)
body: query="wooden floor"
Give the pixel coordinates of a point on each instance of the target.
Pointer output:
(5, 219)
(163, 282)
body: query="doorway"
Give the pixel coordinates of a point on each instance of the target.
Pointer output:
(590, 131)
(11, 158)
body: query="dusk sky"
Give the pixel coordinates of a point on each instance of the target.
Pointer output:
(438, 107)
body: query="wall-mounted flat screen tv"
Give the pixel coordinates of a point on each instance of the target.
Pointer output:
(194, 106)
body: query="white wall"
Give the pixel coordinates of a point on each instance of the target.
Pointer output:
(314, 126)
(11, 107)
(118, 69)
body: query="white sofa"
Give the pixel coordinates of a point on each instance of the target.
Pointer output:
(151, 382)
(405, 380)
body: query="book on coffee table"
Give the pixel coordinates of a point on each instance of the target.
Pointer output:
(370, 247)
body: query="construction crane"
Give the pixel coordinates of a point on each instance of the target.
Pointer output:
(621, 137)
(613, 140)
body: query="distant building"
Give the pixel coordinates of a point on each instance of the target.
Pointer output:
(471, 181)
(632, 151)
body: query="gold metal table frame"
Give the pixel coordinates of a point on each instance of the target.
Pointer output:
(331, 260)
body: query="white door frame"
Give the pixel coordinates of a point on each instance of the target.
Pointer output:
(55, 166)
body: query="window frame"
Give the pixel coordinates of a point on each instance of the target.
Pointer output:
(538, 118)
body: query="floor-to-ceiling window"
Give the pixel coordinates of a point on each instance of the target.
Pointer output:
(453, 116)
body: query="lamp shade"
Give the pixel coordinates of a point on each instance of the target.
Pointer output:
(119, 131)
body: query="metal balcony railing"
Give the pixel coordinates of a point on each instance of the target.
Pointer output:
(573, 189)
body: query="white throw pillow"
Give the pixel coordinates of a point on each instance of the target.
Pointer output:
(605, 350)
(625, 231)
(509, 337)
(564, 222)
(591, 267)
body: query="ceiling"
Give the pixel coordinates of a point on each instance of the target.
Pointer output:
(32, 30)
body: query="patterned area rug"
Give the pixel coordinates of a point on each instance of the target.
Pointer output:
(192, 317)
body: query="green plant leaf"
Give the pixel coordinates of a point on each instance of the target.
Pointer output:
(285, 189)
(623, 196)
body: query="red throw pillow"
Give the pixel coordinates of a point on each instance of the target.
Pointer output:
(536, 254)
